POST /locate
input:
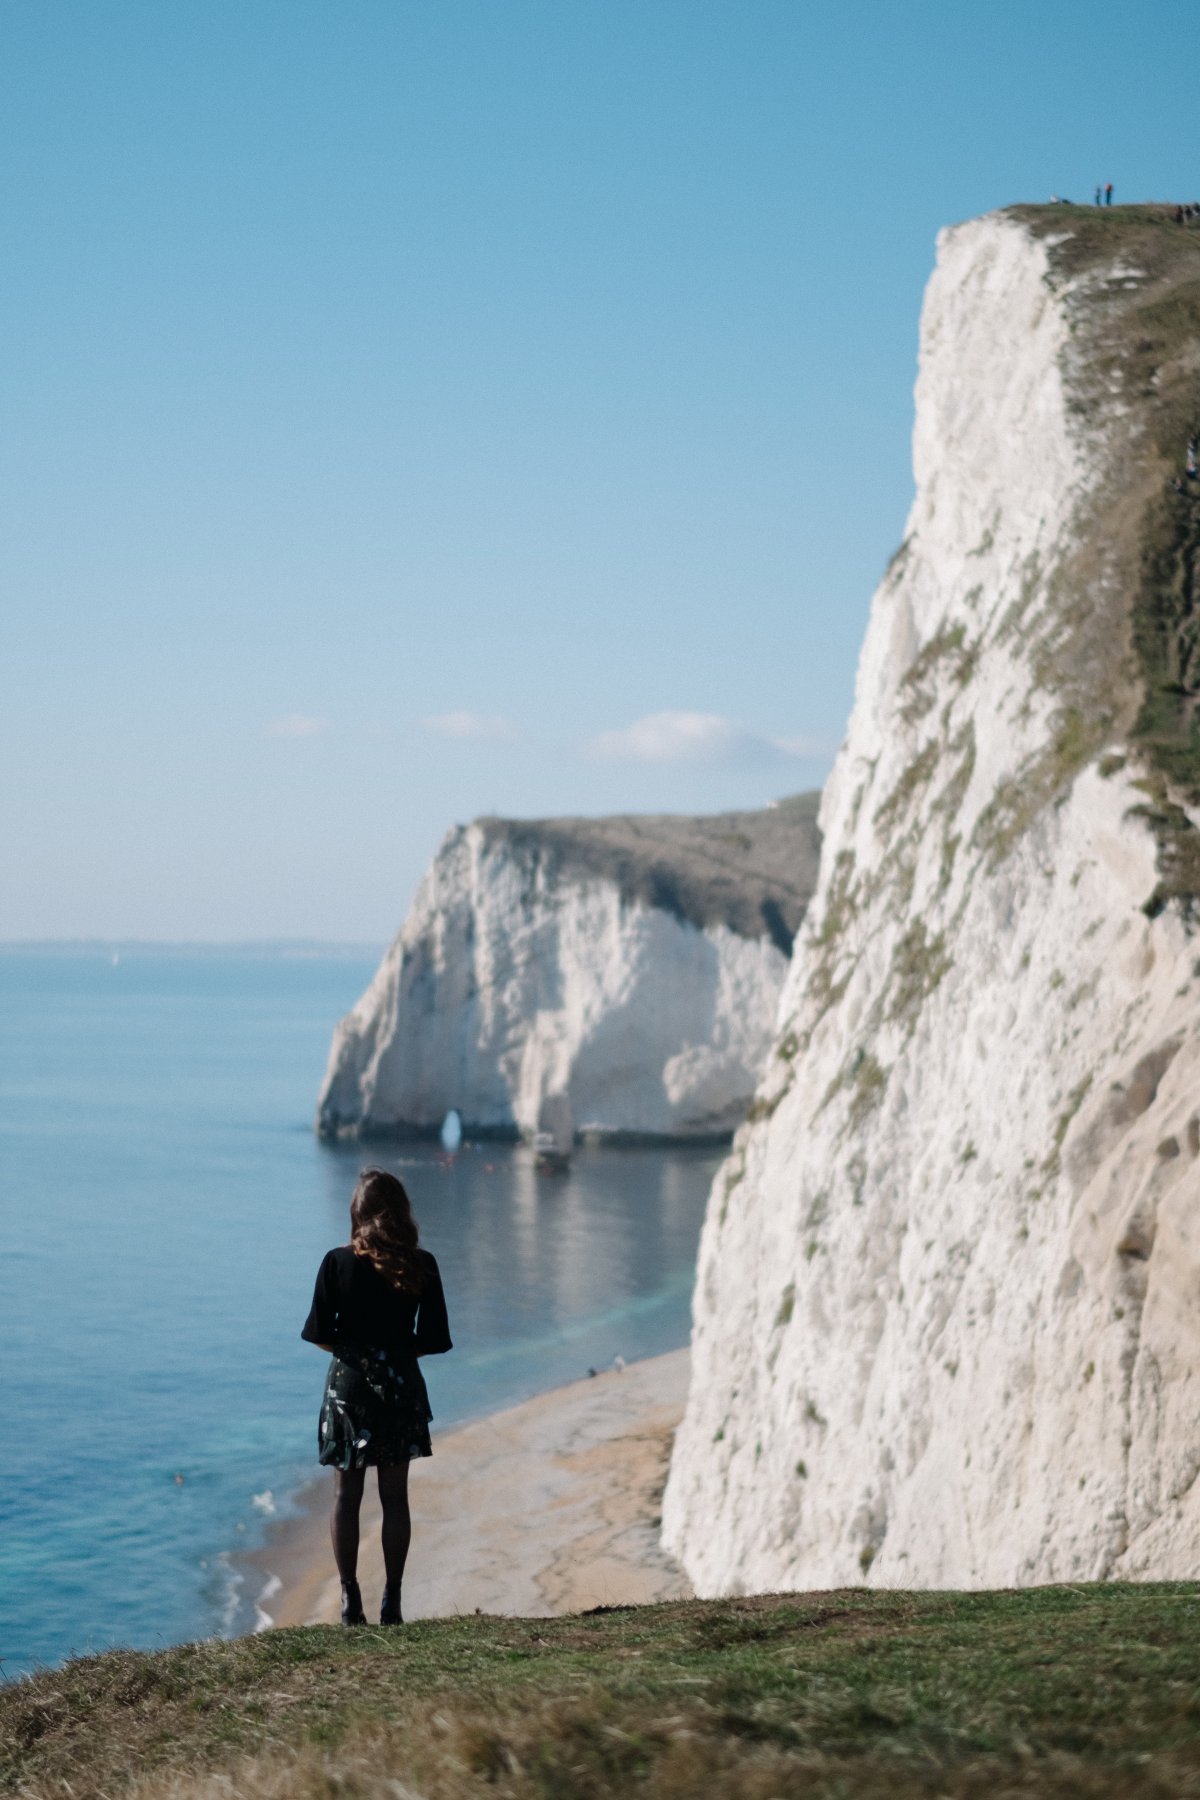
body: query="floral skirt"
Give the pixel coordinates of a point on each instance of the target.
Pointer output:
(375, 1409)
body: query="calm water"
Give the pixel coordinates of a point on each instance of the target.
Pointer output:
(163, 1209)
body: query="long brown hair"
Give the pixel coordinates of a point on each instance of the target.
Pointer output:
(382, 1229)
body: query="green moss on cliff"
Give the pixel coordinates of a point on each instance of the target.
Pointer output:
(946, 651)
(918, 965)
(1178, 851)
(1126, 648)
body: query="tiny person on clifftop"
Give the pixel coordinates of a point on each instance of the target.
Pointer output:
(378, 1305)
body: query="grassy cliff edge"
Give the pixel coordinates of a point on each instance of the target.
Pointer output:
(1082, 1690)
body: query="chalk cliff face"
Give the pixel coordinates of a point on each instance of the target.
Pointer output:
(632, 964)
(947, 1314)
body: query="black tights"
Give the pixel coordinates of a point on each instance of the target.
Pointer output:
(348, 1487)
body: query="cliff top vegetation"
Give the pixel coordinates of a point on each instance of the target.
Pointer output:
(752, 871)
(1081, 1691)
(1124, 649)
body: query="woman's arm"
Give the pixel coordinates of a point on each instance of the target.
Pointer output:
(432, 1334)
(320, 1327)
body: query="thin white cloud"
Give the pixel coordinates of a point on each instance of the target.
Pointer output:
(799, 746)
(470, 725)
(693, 737)
(296, 725)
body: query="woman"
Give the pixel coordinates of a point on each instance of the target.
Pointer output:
(378, 1305)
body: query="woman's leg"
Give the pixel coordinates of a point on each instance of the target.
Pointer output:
(343, 1529)
(397, 1534)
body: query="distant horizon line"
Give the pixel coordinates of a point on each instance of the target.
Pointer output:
(278, 946)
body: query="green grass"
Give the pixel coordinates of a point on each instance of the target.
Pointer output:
(1081, 1691)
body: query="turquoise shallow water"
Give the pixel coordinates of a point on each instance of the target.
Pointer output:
(163, 1209)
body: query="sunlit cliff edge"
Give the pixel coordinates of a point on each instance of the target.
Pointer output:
(632, 964)
(947, 1312)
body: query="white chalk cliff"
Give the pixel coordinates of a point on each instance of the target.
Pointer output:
(631, 964)
(947, 1312)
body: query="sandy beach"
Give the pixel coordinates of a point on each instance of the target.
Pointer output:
(550, 1507)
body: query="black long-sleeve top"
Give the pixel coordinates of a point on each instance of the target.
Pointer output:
(353, 1301)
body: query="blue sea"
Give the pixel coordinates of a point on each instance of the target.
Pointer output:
(164, 1205)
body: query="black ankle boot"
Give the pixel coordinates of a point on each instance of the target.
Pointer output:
(389, 1610)
(352, 1606)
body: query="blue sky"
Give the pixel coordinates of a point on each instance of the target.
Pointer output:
(419, 410)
